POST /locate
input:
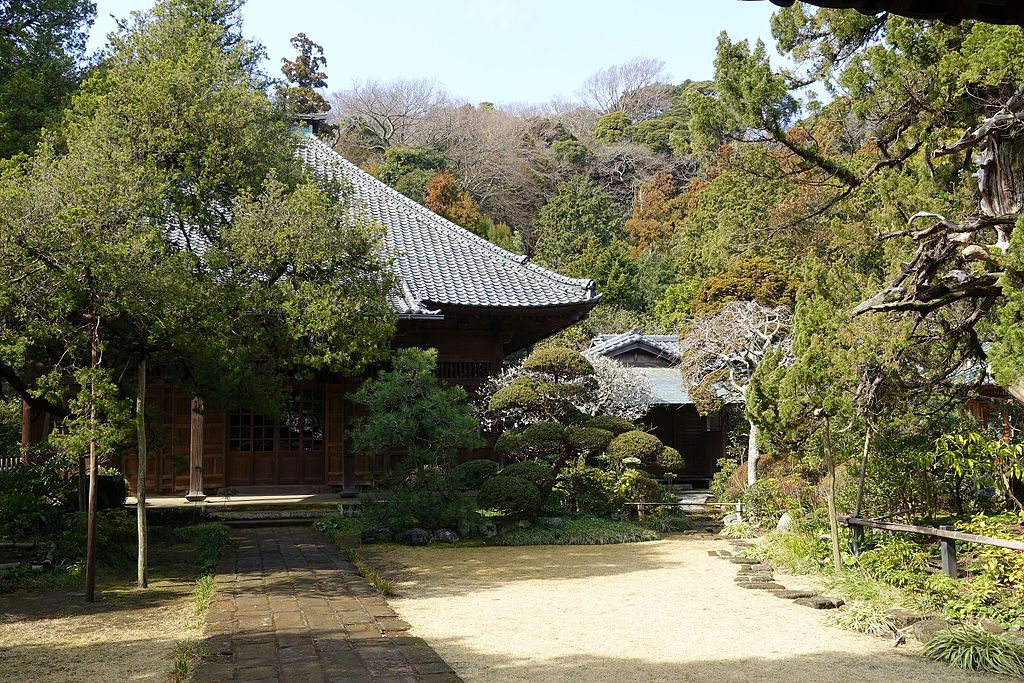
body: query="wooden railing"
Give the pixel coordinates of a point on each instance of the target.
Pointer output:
(947, 538)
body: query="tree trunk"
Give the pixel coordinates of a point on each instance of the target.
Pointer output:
(833, 522)
(90, 538)
(753, 455)
(140, 473)
(195, 453)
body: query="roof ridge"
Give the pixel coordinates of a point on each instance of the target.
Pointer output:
(587, 284)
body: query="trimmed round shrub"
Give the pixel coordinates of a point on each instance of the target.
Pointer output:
(615, 425)
(510, 496)
(588, 489)
(635, 444)
(521, 394)
(559, 362)
(509, 443)
(589, 439)
(669, 459)
(538, 473)
(540, 440)
(473, 473)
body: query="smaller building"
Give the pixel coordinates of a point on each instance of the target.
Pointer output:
(673, 417)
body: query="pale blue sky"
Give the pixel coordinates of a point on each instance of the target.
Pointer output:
(497, 50)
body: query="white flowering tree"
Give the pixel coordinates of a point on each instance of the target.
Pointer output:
(720, 352)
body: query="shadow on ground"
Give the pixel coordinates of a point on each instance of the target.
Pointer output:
(827, 667)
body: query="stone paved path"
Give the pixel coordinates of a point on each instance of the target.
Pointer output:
(288, 607)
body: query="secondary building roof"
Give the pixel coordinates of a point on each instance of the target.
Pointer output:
(440, 264)
(663, 346)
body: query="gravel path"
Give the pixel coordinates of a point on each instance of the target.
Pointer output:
(661, 611)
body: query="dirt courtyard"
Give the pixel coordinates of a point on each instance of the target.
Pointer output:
(660, 611)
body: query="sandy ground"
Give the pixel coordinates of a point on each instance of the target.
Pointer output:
(661, 611)
(55, 636)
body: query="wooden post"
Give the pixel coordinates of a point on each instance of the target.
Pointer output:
(948, 552)
(195, 454)
(140, 473)
(833, 522)
(856, 538)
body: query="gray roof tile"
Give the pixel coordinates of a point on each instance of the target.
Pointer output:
(439, 263)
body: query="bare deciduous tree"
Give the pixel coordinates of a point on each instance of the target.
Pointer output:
(391, 112)
(721, 351)
(625, 87)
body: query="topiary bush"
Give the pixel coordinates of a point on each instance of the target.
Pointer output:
(669, 459)
(521, 395)
(615, 425)
(633, 444)
(538, 473)
(589, 440)
(510, 496)
(561, 363)
(541, 440)
(472, 474)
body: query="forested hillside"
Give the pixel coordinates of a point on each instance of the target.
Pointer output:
(835, 188)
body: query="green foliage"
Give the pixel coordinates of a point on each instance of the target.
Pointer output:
(115, 538)
(669, 459)
(380, 584)
(519, 396)
(982, 461)
(673, 309)
(1003, 566)
(54, 480)
(578, 210)
(634, 447)
(304, 75)
(750, 279)
(472, 474)
(510, 496)
(636, 486)
(615, 425)
(579, 531)
(588, 490)
(536, 472)
(541, 440)
(408, 408)
(765, 501)
(571, 152)
(561, 364)
(738, 530)
(970, 647)
(612, 127)
(721, 487)
(424, 497)
(589, 440)
(410, 169)
(42, 49)
(895, 560)
(864, 617)
(612, 269)
(335, 525)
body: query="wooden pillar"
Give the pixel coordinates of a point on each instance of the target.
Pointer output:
(195, 453)
(948, 553)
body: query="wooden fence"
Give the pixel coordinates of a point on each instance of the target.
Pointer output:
(947, 538)
(9, 462)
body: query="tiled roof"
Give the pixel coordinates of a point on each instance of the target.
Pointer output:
(439, 263)
(664, 345)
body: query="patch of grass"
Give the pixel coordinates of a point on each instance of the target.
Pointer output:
(578, 531)
(738, 530)
(795, 551)
(201, 594)
(183, 655)
(665, 522)
(972, 647)
(864, 617)
(380, 584)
